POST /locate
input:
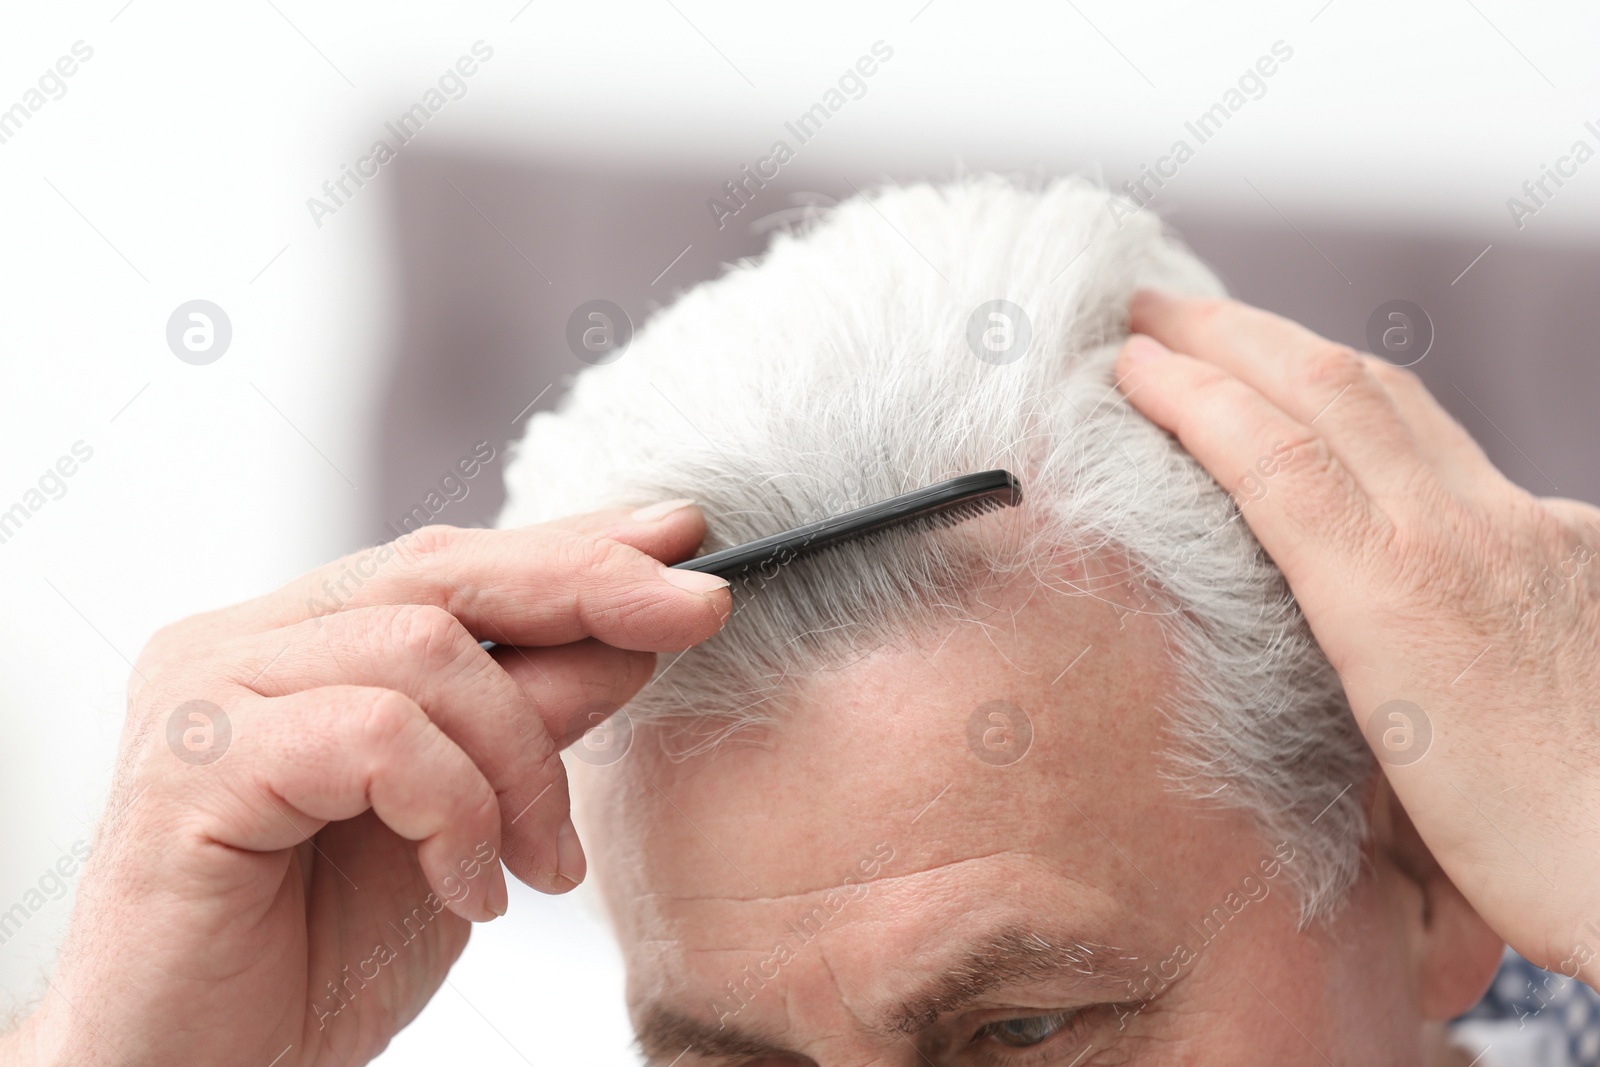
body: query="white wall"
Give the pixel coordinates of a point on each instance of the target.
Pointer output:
(178, 163)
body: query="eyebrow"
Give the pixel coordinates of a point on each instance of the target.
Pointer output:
(664, 1033)
(1011, 955)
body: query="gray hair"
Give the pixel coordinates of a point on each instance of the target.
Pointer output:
(837, 370)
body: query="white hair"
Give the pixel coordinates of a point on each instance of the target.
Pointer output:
(836, 370)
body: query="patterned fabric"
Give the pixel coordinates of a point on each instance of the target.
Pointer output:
(1532, 1018)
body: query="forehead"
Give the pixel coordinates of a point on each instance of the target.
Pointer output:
(1003, 770)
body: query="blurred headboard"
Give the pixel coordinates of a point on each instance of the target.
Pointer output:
(496, 254)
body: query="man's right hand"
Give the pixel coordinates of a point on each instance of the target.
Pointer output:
(288, 882)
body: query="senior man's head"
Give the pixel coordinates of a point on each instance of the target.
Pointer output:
(1067, 784)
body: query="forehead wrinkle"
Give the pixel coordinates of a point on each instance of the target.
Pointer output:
(871, 884)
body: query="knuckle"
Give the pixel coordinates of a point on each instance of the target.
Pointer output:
(1320, 498)
(536, 757)
(164, 638)
(599, 557)
(1304, 461)
(1214, 390)
(544, 756)
(1398, 379)
(1332, 366)
(385, 720)
(430, 542)
(424, 633)
(1211, 312)
(1218, 319)
(1215, 398)
(607, 578)
(1213, 381)
(546, 763)
(532, 787)
(480, 805)
(166, 643)
(1314, 459)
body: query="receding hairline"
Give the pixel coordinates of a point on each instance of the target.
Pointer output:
(852, 368)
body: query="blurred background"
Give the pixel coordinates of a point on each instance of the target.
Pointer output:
(367, 335)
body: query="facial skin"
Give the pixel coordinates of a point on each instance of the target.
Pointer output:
(985, 893)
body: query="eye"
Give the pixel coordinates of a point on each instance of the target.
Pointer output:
(1027, 1031)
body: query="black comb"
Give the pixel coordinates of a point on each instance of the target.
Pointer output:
(939, 505)
(943, 504)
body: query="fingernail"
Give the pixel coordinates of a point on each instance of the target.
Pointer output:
(570, 861)
(497, 895)
(657, 512)
(1142, 349)
(693, 581)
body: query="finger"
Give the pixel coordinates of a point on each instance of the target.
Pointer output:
(1455, 457)
(596, 576)
(299, 762)
(1312, 380)
(508, 730)
(1302, 504)
(574, 682)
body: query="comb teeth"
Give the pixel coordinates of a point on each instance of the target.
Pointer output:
(956, 514)
(763, 572)
(941, 519)
(942, 505)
